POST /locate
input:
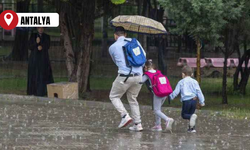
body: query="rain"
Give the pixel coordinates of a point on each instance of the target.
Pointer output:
(58, 124)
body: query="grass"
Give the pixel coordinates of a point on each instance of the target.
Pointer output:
(18, 85)
(5, 50)
(238, 106)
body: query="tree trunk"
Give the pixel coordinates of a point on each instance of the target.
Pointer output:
(40, 5)
(143, 38)
(20, 49)
(224, 82)
(238, 70)
(78, 52)
(241, 86)
(105, 36)
(237, 73)
(90, 70)
(69, 53)
(179, 44)
(245, 76)
(161, 62)
(160, 41)
(198, 61)
(84, 59)
(230, 44)
(139, 10)
(87, 34)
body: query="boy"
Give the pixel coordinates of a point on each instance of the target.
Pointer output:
(190, 91)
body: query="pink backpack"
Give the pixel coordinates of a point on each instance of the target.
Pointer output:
(160, 84)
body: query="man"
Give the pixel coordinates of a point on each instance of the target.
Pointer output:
(39, 68)
(131, 87)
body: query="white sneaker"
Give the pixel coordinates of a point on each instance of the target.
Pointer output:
(125, 121)
(137, 127)
(156, 128)
(169, 124)
(193, 120)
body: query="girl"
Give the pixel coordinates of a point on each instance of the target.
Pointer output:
(157, 101)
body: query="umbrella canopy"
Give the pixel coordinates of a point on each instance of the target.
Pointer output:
(139, 24)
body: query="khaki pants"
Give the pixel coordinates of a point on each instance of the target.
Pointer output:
(132, 88)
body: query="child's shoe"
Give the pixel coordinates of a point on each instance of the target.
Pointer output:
(193, 120)
(125, 121)
(136, 127)
(169, 124)
(156, 128)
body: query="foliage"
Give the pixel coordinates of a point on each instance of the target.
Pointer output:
(117, 2)
(204, 19)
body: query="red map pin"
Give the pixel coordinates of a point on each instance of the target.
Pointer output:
(8, 19)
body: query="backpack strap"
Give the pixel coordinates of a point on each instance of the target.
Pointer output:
(128, 75)
(127, 63)
(125, 55)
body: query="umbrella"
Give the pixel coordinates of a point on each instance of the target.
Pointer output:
(139, 24)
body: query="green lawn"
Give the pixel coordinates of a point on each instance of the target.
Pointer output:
(238, 105)
(13, 81)
(5, 50)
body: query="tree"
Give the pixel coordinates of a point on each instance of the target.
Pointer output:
(242, 73)
(77, 27)
(20, 48)
(230, 42)
(206, 20)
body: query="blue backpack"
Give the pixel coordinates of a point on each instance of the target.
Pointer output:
(134, 55)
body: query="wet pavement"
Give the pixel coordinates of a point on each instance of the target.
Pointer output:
(41, 123)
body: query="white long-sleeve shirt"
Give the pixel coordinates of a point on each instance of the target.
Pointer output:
(189, 88)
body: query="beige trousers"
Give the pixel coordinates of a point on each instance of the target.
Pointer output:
(132, 88)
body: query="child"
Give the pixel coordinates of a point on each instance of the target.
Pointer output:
(157, 101)
(190, 90)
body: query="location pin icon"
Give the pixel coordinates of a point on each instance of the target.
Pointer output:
(8, 17)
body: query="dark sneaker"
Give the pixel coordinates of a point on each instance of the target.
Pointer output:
(191, 130)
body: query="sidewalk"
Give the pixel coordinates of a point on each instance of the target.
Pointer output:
(42, 123)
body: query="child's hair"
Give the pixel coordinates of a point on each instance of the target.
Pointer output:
(188, 71)
(149, 64)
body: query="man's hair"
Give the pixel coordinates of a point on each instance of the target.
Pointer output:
(188, 71)
(120, 31)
